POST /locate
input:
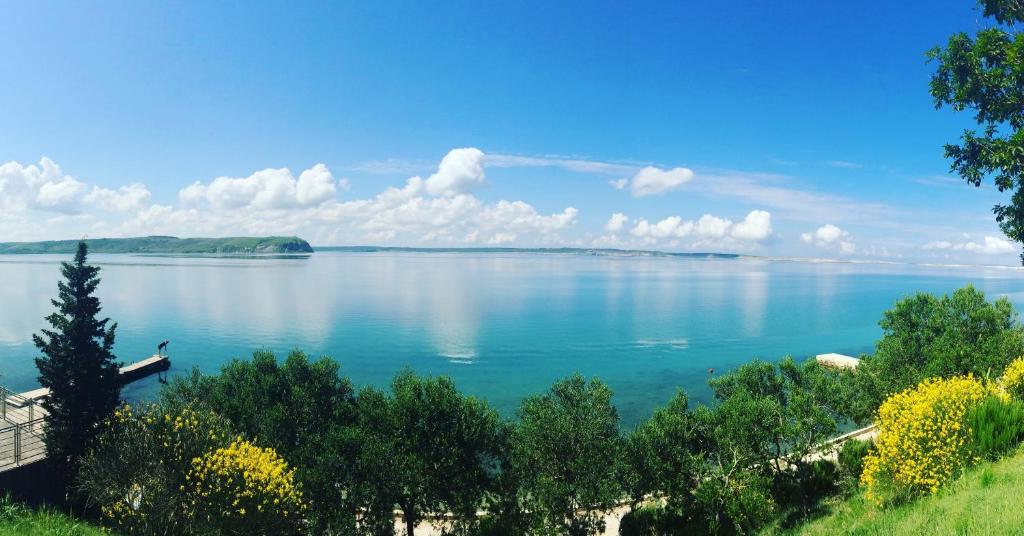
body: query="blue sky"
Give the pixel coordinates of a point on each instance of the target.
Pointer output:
(797, 128)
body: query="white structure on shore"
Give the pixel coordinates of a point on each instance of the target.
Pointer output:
(837, 361)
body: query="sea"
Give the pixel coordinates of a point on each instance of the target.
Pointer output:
(503, 324)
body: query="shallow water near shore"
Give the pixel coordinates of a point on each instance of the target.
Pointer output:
(503, 325)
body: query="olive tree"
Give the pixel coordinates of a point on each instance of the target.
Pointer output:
(425, 448)
(564, 451)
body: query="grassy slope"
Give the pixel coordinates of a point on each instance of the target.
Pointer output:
(987, 500)
(16, 520)
(167, 244)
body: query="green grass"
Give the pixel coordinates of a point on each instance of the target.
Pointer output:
(18, 520)
(986, 500)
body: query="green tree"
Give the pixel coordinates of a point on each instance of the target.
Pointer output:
(302, 409)
(427, 449)
(137, 472)
(661, 457)
(986, 74)
(77, 365)
(926, 336)
(565, 451)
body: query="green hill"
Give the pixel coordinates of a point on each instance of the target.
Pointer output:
(166, 244)
(984, 501)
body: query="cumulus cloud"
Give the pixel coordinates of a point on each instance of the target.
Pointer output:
(990, 245)
(616, 222)
(124, 199)
(460, 171)
(438, 209)
(755, 227)
(830, 236)
(653, 181)
(266, 189)
(41, 187)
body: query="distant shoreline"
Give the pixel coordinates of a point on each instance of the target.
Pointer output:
(165, 245)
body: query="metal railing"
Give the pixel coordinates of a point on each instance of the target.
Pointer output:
(21, 430)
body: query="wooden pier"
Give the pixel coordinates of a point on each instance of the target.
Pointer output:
(22, 417)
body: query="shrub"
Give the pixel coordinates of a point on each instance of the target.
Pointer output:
(245, 489)
(1013, 378)
(928, 336)
(652, 520)
(136, 474)
(997, 426)
(850, 460)
(924, 439)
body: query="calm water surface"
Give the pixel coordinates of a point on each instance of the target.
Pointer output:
(502, 325)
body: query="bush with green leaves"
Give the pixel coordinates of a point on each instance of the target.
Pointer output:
(926, 336)
(137, 473)
(850, 460)
(427, 449)
(653, 520)
(997, 427)
(305, 410)
(564, 452)
(662, 456)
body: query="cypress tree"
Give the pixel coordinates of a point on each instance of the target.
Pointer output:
(77, 365)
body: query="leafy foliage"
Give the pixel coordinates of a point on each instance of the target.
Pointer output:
(137, 473)
(986, 74)
(935, 336)
(564, 453)
(304, 410)
(997, 426)
(662, 456)
(77, 364)
(426, 448)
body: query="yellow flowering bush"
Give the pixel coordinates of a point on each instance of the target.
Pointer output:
(136, 472)
(245, 489)
(924, 439)
(1013, 378)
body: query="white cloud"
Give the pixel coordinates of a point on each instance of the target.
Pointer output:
(990, 245)
(616, 222)
(652, 181)
(460, 171)
(619, 184)
(579, 165)
(707, 230)
(40, 187)
(124, 199)
(830, 236)
(755, 227)
(267, 189)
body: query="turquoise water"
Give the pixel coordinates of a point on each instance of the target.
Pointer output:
(503, 325)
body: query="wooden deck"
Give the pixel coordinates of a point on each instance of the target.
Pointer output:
(22, 417)
(21, 431)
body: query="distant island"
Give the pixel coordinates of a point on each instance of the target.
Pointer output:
(597, 252)
(166, 244)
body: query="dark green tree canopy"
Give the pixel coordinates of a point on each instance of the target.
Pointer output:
(935, 336)
(304, 409)
(426, 448)
(564, 452)
(77, 364)
(986, 74)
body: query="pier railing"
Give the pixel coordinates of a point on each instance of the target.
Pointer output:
(21, 430)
